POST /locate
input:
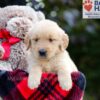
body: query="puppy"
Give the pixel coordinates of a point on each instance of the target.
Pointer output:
(47, 44)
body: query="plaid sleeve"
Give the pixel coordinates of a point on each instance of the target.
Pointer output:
(13, 86)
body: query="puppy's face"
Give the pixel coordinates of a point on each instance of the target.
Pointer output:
(46, 40)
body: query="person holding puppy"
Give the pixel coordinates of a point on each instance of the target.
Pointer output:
(47, 44)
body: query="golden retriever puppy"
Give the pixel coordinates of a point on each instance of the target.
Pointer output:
(47, 44)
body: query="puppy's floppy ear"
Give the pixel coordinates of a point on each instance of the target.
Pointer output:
(27, 41)
(65, 41)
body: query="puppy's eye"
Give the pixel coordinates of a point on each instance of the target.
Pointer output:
(36, 40)
(50, 40)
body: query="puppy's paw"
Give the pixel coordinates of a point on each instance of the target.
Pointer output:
(2, 51)
(33, 82)
(65, 84)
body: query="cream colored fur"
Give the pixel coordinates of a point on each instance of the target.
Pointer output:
(48, 35)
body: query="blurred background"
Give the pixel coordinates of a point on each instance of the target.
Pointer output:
(84, 47)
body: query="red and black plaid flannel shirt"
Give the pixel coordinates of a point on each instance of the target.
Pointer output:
(13, 86)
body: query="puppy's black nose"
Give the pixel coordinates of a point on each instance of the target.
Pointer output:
(42, 52)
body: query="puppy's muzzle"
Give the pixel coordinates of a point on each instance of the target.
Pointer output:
(42, 53)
